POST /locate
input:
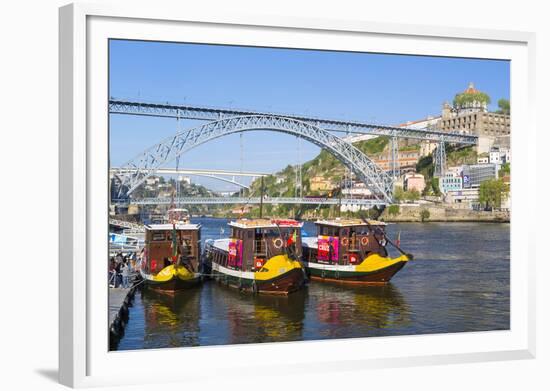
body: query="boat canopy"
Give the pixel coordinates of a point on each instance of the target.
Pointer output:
(266, 223)
(348, 222)
(169, 227)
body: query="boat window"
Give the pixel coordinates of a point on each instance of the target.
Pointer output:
(158, 236)
(331, 231)
(187, 248)
(362, 230)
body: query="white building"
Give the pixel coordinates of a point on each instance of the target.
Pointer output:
(152, 180)
(184, 179)
(499, 156)
(483, 160)
(357, 190)
(450, 182)
(166, 186)
(464, 196)
(227, 193)
(353, 207)
(455, 171)
(494, 157)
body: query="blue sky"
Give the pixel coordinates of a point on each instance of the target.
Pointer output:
(379, 88)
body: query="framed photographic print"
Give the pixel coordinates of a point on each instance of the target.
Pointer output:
(247, 194)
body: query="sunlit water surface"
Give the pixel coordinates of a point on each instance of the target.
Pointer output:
(459, 281)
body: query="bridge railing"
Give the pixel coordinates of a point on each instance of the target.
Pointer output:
(252, 200)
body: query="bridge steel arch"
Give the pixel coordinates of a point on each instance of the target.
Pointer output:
(227, 180)
(134, 172)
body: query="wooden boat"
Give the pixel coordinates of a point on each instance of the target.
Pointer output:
(171, 259)
(350, 252)
(261, 256)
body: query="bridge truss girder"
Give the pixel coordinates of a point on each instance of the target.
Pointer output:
(214, 114)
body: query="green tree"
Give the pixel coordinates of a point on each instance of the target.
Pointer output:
(372, 213)
(393, 210)
(424, 214)
(435, 186)
(465, 99)
(413, 195)
(492, 192)
(425, 166)
(504, 170)
(504, 106)
(398, 194)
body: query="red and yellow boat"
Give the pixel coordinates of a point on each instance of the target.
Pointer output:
(172, 254)
(351, 251)
(261, 256)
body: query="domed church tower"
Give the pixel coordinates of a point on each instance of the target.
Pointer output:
(471, 101)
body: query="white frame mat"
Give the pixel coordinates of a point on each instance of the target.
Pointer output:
(84, 356)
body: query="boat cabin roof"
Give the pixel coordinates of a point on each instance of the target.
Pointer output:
(348, 222)
(222, 244)
(178, 210)
(265, 223)
(169, 227)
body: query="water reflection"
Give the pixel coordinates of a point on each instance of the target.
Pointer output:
(377, 306)
(264, 318)
(320, 311)
(171, 320)
(342, 311)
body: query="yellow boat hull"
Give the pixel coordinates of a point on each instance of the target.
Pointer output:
(374, 270)
(171, 279)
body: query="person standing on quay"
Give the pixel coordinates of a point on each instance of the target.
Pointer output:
(125, 270)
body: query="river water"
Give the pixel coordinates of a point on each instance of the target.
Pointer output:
(458, 281)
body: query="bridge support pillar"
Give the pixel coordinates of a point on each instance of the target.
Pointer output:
(440, 158)
(394, 158)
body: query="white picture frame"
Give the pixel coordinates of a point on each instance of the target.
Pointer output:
(83, 334)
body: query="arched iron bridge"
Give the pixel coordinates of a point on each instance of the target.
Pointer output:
(137, 170)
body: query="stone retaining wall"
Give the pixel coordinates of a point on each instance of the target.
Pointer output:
(412, 213)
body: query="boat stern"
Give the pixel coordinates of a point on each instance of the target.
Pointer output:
(280, 275)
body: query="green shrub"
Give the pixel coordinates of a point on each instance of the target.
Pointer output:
(393, 210)
(424, 214)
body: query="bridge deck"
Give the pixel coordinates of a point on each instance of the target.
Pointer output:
(245, 200)
(117, 106)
